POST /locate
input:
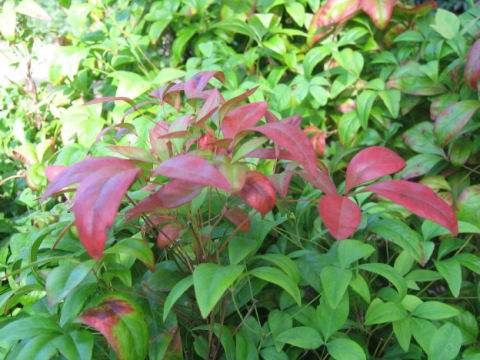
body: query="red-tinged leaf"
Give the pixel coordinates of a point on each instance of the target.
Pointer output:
(379, 10)
(453, 119)
(133, 153)
(168, 234)
(53, 171)
(135, 108)
(472, 69)
(318, 140)
(181, 123)
(169, 94)
(334, 11)
(182, 134)
(97, 201)
(236, 175)
(419, 10)
(172, 195)
(211, 105)
(258, 192)
(121, 128)
(238, 217)
(270, 153)
(242, 118)
(295, 141)
(111, 98)
(281, 182)
(122, 323)
(370, 164)
(232, 103)
(293, 120)
(340, 215)
(419, 199)
(194, 169)
(197, 83)
(270, 117)
(322, 182)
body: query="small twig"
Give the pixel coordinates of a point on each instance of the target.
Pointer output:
(11, 177)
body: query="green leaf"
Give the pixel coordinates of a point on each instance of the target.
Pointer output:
(303, 337)
(350, 251)
(135, 247)
(75, 301)
(403, 333)
(244, 346)
(435, 310)
(288, 266)
(64, 278)
(332, 319)
(360, 286)
(177, 291)
(380, 312)
(210, 282)
(277, 45)
(445, 343)
(335, 282)
(130, 84)
(391, 99)
(468, 325)
(75, 345)
(8, 20)
(297, 12)
(181, 39)
(28, 327)
(364, 106)
(419, 165)
(446, 24)
(390, 274)
(39, 348)
(122, 323)
(452, 273)
(350, 60)
(422, 331)
(279, 322)
(313, 57)
(279, 278)
(168, 74)
(345, 349)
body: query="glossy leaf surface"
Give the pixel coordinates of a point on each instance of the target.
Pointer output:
(379, 10)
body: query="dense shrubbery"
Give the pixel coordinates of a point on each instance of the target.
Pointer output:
(213, 225)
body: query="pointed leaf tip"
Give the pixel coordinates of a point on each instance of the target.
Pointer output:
(340, 215)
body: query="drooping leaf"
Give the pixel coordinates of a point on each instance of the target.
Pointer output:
(379, 10)
(242, 117)
(472, 68)
(388, 273)
(239, 218)
(197, 83)
(231, 103)
(122, 323)
(258, 192)
(303, 337)
(340, 215)
(103, 182)
(453, 119)
(279, 278)
(370, 164)
(173, 194)
(174, 294)
(168, 234)
(335, 282)
(210, 282)
(419, 199)
(193, 169)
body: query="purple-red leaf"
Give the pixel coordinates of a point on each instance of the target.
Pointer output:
(197, 83)
(242, 117)
(122, 323)
(472, 69)
(419, 199)
(258, 192)
(322, 182)
(281, 182)
(133, 153)
(340, 215)
(230, 104)
(238, 217)
(370, 164)
(453, 119)
(168, 234)
(51, 172)
(173, 194)
(103, 182)
(295, 141)
(194, 169)
(379, 10)
(269, 153)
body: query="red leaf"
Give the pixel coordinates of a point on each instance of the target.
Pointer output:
(419, 199)
(194, 169)
(370, 164)
(197, 83)
(53, 171)
(340, 215)
(270, 117)
(170, 94)
(334, 11)
(238, 217)
(322, 182)
(295, 141)
(168, 234)
(269, 153)
(103, 182)
(281, 182)
(293, 120)
(258, 192)
(242, 117)
(379, 10)
(133, 153)
(172, 195)
(211, 105)
(472, 69)
(230, 104)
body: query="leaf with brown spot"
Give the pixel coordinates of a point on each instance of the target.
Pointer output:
(122, 323)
